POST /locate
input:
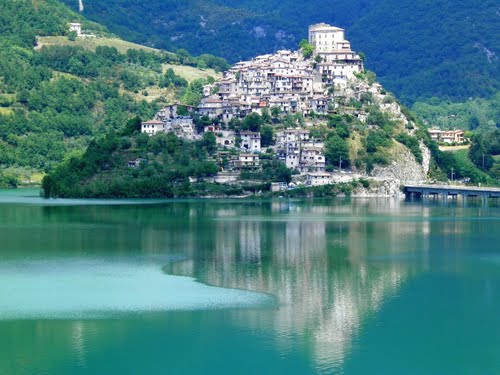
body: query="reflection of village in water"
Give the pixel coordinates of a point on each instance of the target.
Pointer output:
(331, 265)
(320, 261)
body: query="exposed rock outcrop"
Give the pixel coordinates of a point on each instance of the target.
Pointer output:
(380, 188)
(403, 167)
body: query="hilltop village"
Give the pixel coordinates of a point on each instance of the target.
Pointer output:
(315, 111)
(311, 122)
(287, 82)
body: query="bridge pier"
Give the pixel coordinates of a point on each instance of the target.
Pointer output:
(484, 199)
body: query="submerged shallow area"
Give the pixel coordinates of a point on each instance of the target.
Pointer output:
(85, 289)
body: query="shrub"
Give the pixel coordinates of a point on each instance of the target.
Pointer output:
(364, 182)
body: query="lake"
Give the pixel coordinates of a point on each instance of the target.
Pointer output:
(337, 286)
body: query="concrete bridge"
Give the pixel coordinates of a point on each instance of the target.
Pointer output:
(451, 190)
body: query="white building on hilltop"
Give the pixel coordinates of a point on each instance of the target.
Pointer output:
(326, 38)
(76, 27)
(339, 62)
(153, 127)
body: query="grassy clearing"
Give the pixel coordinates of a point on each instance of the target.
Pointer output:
(151, 94)
(36, 178)
(91, 43)
(6, 111)
(190, 73)
(453, 148)
(58, 75)
(462, 156)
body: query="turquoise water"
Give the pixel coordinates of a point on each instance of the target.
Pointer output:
(362, 286)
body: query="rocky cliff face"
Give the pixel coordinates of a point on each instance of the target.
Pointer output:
(387, 181)
(380, 188)
(403, 167)
(426, 153)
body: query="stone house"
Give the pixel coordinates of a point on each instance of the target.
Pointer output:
(183, 127)
(319, 179)
(248, 161)
(312, 159)
(224, 138)
(171, 111)
(447, 136)
(339, 62)
(153, 127)
(211, 106)
(250, 141)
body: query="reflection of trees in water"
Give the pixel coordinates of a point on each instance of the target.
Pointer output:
(318, 263)
(40, 346)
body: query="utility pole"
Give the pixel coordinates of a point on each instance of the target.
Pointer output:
(483, 160)
(452, 173)
(340, 163)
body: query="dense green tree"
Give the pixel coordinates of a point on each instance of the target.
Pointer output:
(252, 122)
(267, 136)
(209, 143)
(133, 126)
(341, 124)
(481, 151)
(275, 112)
(306, 48)
(170, 78)
(183, 56)
(266, 116)
(194, 92)
(166, 164)
(478, 114)
(276, 171)
(337, 151)
(495, 172)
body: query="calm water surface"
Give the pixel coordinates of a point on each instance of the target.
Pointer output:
(373, 286)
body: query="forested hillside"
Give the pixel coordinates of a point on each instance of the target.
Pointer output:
(419, 50)
(54, 100)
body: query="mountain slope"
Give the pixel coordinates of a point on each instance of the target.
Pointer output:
(22, 20)
(419, 50)
(433, 48)
(55, 99)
